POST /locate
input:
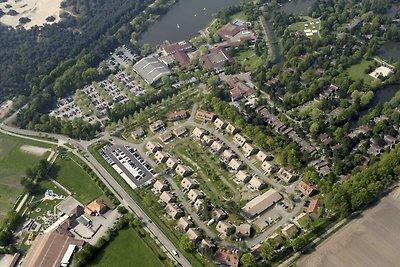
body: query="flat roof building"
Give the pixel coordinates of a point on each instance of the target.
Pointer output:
(167, 197)
(151, 69)
(286, 176)
(306, 188)
(174, 211)
(184, 224)
(183, 170)
(152, 147)
(261, 203)
(189, 183)
(257, 183)
(267, 167)
(156, 126)
(172, 163)
(180, 131)
(217, 147)
(161, 156)
(261, 156)
(243, 176)
(249, 149)
(219, 124)
(223, 227)
(198, 133)
(195, 194)
(239, 139)
(160, 186)
(231, 129)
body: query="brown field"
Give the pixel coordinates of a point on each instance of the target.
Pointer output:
(371, 240)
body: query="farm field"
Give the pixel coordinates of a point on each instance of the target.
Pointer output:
(73, 177)
(127, 249)
(16, 155)
(369, 240)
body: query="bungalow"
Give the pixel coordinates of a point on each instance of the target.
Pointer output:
(152, 147)
(290, 230)
(217, 147)
(306, 189)
(195, 194)
(235, 165)
(249, 149)
(230, 129)
(390, 141)
(218, 214)
(182, 170)
(224, 227)
(207, 244)
(165, 137)
(267, 167)
(194, 235)
(239, 89)
(228, 154)
(177, 115)
(207, 140)
(198, 133)
(375, 149)
(198, 204)
(239, 139)
(138, 133)
(174, 211)
(325, 139)
(257, 183)
(160, 186)
(172, 163)
(227, 258)
(161, 156)
(243, 230)
(167, 197)
(276, 238)
(286, 176)
(261, 156)
(180, 131)
(243, 176)
(184, 224)
(219, 124)
(96, 207)
(205, 115)
(188, 183)
(157, 125)
(312, 209)
(182, 58)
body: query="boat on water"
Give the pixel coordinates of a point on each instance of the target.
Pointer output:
(178, 26)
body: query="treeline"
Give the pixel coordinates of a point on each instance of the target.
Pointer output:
(34, 175)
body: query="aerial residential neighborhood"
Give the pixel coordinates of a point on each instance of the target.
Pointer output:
(200, 133)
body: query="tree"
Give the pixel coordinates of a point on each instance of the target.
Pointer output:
(247, 260)
(268, 249)
(186, 244)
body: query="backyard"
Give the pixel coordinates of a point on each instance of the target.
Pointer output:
(14, 160)
(127, 249)
(358, 71)
(249, 60)
(72, 176)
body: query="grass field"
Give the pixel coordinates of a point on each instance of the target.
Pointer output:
(240, 15)
(13, 163)
(249, 60)
(357, 71)
(308, 24)
(127, 249)
(73, 177)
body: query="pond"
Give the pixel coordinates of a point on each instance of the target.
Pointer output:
(390, 51)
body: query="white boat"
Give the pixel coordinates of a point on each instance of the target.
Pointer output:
(204, 8)
(177, 25)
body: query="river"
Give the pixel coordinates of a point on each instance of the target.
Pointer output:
(184, 20)
(390, 51)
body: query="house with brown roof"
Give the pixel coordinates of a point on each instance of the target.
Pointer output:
(172, 163)
(170, 49)
(96, 207)
(375, 149)
(156, 126)
(235, 164)
(160, 186)
(224, 227)
(239, 139)
(195, 194)
(217, 147)
(165, 137)
(152, 146)
(219, 124)
(242, 176)
(239, 89)
(198, 133)
(257, 183)
(173, 211)
(207, 140)
(188, 183)
(276, 238)
(231, 129)
(243, 230)
(228, 154)
(261, 156)
(183, 170)
(325, 139)
(312, 209)
(216, 60)
(167, 197)
(182, 58)
(290, 230)
(267, 167)
(249, 149)
(306, 188)
(225, 257)
(205, 115)
(161, 156)
(180, 131)
(177, 115)
(194, 235)
(390, 141)
(184, 224)
(286, 176)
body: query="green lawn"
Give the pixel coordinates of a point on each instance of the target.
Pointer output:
(13, 163)
(127, 249)
(73, 177)
(357, 71)
(240, 15)
(301, 26)
(249, 60)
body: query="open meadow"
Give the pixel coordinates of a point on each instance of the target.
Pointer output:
(16, 155)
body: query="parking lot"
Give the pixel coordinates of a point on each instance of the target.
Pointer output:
(129, 164)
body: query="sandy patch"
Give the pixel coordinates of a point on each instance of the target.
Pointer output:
(5, 108)
(39, 151)
(36, 10)
(382, 70)
(370, 240)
